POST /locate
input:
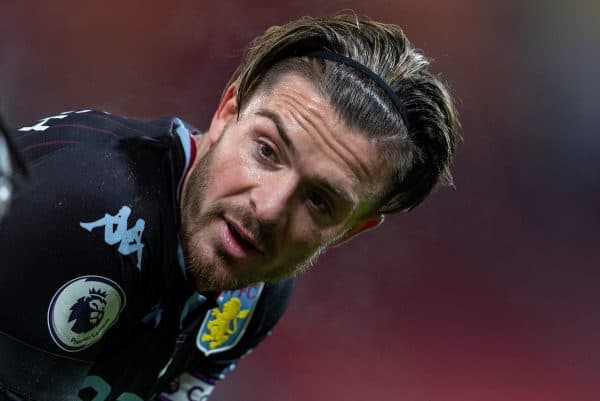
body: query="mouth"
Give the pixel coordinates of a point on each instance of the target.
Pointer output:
(237, 241)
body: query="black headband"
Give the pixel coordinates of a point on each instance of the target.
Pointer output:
(325, 54)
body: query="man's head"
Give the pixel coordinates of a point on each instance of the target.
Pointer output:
(305, 152)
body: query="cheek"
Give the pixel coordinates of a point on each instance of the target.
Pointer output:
(235, 168)
(229, 172)
(304, 236)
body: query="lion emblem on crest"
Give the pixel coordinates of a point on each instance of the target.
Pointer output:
(88, 311)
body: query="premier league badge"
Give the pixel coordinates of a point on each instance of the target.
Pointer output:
(82, 310)
(224, 326)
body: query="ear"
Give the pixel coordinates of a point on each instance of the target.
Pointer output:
(366, 225)
(226, 111)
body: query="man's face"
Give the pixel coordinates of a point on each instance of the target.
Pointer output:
(270, 190)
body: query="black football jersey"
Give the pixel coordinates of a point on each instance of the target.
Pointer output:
(96, 304)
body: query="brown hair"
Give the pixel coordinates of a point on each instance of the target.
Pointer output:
(421, 155)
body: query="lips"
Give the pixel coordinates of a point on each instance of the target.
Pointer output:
(236, 241)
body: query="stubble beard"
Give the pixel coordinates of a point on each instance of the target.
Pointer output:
(206, 275)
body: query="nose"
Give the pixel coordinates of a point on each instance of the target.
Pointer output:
(272, 198)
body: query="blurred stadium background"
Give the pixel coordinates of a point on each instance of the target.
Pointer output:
(489, 292)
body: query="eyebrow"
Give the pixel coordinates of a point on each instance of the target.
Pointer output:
(321, 180)
(274, 117)
(337, 190)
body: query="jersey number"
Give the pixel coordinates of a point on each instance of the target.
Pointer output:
(97, 389)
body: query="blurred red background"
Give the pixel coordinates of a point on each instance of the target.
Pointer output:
(486, 292)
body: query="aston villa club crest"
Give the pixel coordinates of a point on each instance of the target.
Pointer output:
(82, 310)
(224, 326)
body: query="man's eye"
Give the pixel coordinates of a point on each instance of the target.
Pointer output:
(267, 151)
(318, 202)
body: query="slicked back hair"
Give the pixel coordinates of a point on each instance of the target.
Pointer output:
(419, 157)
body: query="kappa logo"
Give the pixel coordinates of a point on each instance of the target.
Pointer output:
(224, 326)
(82, 310)
(129, 239)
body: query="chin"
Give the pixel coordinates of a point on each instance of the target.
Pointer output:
(210, 277)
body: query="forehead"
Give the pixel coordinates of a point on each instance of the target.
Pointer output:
(321, 143)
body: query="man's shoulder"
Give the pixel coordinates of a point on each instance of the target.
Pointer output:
(100, 209)
(94, 128)
(98, 120)
(99, 155)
